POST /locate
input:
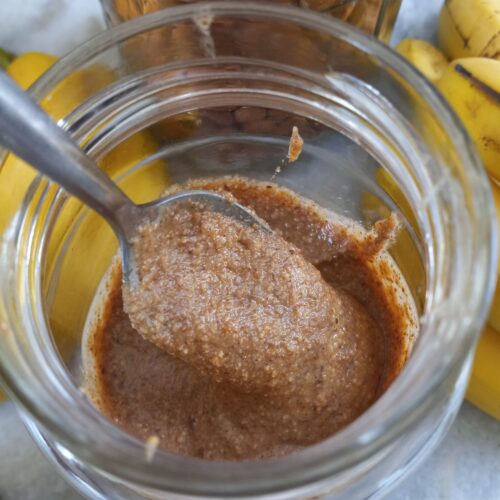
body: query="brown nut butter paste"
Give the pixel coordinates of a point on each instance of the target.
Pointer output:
(258, 344)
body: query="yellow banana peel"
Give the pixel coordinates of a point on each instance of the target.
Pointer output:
(28, 67)
(472, 87)
(494, 316)
(424, 56)
(470, 28)
(484, 385)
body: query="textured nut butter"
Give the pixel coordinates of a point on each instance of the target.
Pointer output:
(257, 344)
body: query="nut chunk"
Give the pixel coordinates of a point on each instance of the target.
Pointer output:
(295, 146)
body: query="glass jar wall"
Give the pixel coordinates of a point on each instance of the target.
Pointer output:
(378, 138)
(373, 16)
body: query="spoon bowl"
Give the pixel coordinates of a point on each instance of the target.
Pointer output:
(149, 212)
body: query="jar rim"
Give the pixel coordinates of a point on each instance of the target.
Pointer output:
(368, 433)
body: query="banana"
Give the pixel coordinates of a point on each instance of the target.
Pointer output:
(424, 56)
(28, 67)
(470, 28)
(494, 317)
(484, 385)
(472, 87)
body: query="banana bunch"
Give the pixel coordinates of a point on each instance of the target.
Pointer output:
(469, 37)
(470, 28)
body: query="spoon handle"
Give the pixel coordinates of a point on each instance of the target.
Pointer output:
(31, 134)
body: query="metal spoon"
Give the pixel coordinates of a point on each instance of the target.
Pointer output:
(32, 135)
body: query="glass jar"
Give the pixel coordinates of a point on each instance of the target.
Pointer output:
(373, 16)
(378, 138)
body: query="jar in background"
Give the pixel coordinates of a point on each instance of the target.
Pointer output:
(373, 16)
(378, 138)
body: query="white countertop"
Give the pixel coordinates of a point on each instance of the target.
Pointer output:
(465, 466)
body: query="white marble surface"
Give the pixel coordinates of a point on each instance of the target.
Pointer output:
(466, 465)
(53, 26)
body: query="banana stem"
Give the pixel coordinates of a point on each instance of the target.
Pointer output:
(5, 58)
